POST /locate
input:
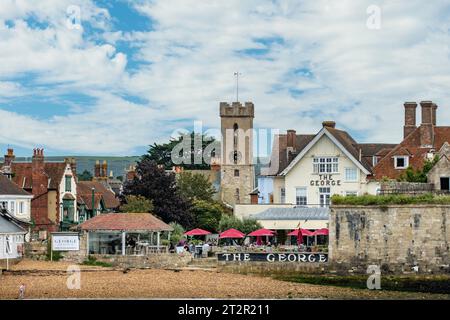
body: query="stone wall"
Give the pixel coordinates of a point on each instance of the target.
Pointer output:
(264, 268)
(156, 260)
(77, 256)
(395, 237)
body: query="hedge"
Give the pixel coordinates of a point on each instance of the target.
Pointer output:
(373, 200)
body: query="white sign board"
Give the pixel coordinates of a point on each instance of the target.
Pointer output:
(65, 242)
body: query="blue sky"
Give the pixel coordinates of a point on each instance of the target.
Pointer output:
(121, 75)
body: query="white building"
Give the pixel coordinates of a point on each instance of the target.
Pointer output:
(12, 238)
(14, 199)
(305, 171)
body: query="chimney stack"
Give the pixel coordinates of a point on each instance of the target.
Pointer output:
(410, 118)
(38, 159)
(104, 169)
(9, 157)
(73, 166)
(434, 108)
(427, 127)
(97, 169)
(291, 138)
(329, 124)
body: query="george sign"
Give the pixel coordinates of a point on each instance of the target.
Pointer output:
(325, 180)
(65, 242)
(287, 257)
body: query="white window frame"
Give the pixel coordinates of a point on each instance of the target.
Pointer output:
(12, 207)
(374, 160)
(325, 196)
(282, 195)
(406, 159)
(298, 201)
(326, 165)
(356, 174)
(21, 207)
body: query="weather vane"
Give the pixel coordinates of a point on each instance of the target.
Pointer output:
(237, 74)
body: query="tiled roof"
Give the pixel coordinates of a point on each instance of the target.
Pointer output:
(84, 191)
(23, 174)
(8, 187)
(9, 224)
(279, 154)
(296, 213)
(125, 222)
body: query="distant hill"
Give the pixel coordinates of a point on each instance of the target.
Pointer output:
(115, 164)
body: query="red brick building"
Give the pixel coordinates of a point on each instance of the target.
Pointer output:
(53, 186)
(420, 142)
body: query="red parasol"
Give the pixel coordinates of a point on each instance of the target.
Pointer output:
(197, 232)
(231, 233)
(305, 232)
(261, 233)
(321, 232)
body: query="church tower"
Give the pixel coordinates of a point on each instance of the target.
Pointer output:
(237, 169)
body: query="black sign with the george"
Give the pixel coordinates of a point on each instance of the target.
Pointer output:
(287, 257)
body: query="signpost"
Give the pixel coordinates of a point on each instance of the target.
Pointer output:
(64, 241)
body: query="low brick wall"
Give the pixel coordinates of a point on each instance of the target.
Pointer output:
(154, 261)
(394, 237)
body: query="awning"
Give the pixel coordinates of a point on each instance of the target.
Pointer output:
(305, 232)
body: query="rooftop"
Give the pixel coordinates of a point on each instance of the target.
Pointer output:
(296, 213)
(125, 222)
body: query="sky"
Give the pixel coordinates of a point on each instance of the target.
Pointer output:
(85, 77)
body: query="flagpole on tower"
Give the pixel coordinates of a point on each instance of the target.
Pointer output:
(237, 74)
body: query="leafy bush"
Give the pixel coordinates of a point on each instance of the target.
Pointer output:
(372, 200)
(246, 225)
(92, 261)
(178, 232)
(207, 215)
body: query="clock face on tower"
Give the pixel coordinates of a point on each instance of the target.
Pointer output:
(235, 156)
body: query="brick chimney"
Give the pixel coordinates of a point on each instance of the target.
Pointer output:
(427, 127)
(329, 124)
(73, 165)
(434, 108)
(39, 207)
(97, 169)
(9, 157)
(410, 118)
(104, 169)
(291, 137)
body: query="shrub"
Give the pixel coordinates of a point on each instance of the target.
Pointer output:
(372, 200)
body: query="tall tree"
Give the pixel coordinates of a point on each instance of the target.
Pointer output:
(159, 186)
(195, 186)
(207, 215)
(85, 176)
(136, 204)
(162, 153)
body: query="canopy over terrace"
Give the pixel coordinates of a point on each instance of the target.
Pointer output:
(290, 218)
(124, 233)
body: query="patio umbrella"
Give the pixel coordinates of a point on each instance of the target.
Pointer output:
(321, 232)
(231, 233)
(261, 233)
(305, 232)
(197, 232)
(299, 236)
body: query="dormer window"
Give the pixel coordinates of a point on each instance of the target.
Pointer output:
(401, 162)
(374, 160)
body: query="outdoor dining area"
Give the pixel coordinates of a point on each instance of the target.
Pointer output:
(261, 240)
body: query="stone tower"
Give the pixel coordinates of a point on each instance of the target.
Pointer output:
(237, 168)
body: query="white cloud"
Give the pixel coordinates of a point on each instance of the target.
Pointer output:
(357, 76)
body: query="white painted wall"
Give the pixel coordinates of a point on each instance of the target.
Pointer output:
(302, 174)
(265, 188)
(14, 204)
(16, 239)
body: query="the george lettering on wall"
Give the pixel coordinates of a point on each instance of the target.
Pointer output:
(325, 180)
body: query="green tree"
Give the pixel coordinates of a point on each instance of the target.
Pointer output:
(162, 153)
(207, 215)
(136, 204)
(246, 225)
(85, 176)
(195, 186)
(178, 232)
(159, 186)
(420, 175)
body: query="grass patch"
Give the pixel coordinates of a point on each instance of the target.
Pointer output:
(426, 284)
(373, 200)
(92, 261)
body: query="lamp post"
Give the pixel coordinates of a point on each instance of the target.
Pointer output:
(93, 203)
